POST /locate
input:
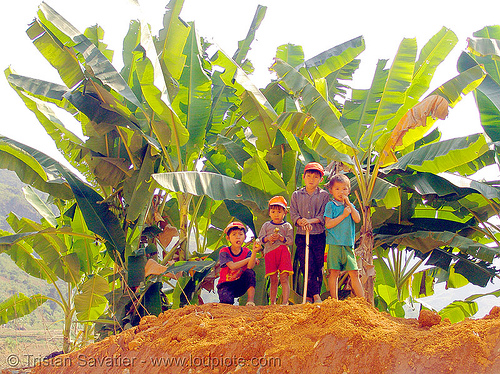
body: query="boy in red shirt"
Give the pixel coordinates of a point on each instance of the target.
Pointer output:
(237, 262)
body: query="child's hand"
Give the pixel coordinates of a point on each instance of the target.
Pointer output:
(274, 237)
(256, 245)
(347, 210)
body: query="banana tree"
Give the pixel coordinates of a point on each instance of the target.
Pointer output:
(375, 124)
(454, 203)
(62, 251)
(156, 115)
(136, 122)
(436, 202)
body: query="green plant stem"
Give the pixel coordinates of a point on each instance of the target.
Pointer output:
(194, 222)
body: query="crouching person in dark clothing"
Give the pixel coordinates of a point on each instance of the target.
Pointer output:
(237, 262)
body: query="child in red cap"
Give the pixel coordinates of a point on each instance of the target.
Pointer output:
(307, 210)
(276, 235)
(236, 261)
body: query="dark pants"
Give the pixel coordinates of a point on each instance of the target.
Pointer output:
(317, 244)
(228, 291)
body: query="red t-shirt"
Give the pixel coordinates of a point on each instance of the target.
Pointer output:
(225, 256)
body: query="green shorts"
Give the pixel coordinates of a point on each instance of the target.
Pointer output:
(341, 257)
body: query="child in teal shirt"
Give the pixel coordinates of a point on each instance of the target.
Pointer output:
(340, 216)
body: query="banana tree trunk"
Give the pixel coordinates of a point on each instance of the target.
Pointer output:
(68, 316)
(184, 201)
(365, 253)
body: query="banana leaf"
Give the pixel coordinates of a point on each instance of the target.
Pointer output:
(98, 216)
(48, 246)
(19, 305)
(59, 56)
(444, 184)
(487, 97)
(477, 296)
(442, 156)
(426, 241)
(244, 45)
(215, 186)
(256, 173)
(188, 268)
(363, 106)
(172, 38)
(136, 189)
(91, 301)
(478, 273)
(193, 99)
(100, 66)
(394, 93)
(312, 101)
(37, 203)
(483, 47)
(161, 106)
(152, 299)
(43, 90)
(333, 59)
(24, 257)
(255, 108)
(33, 167)
(432, 54)
(459, 310)
(292, 54)
(422, 284)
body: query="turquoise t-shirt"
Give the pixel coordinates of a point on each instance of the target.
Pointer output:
(344, 232)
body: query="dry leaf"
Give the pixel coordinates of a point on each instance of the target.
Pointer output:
(434, 106)
(169, 231)
(153, 268)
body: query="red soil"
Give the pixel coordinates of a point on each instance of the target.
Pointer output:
(332, 337)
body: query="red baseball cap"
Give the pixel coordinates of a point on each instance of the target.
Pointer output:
(233, 225)
(278, 200)
(314, 166)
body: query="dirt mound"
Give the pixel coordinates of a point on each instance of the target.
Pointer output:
(332, 337)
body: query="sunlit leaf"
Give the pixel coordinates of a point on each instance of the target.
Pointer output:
(459, 310)
(216, 186)
(19, 305)
(39, 205)
(90, 302)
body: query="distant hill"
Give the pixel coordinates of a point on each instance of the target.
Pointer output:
(12, 278)
(12, 199)
(13, 281)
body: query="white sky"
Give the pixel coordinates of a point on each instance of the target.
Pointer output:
(315, 24)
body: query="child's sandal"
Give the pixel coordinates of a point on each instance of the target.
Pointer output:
(250, 303)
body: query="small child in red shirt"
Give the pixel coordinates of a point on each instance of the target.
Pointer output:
(276, 235)
(236, 261)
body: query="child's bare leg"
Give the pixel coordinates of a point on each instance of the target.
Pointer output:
(356, 283)
(273, 291)
(285, 287)
(333, 283)
(251, 294)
